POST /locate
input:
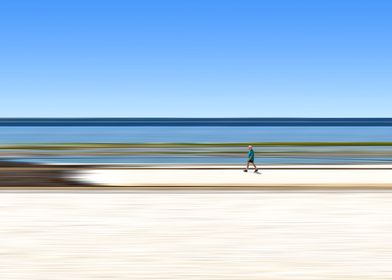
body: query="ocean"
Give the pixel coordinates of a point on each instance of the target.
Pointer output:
(191, 134)
(155, 130)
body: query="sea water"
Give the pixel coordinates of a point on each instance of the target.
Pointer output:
(183, 134)
(193, 134)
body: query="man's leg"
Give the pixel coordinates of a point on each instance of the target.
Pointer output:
(247, 167)
(256, 169)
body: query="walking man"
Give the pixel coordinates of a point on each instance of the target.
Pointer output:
(251, 159)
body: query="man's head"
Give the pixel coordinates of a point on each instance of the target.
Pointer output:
(250, 147)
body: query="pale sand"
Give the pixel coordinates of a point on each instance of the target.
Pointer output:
(196, 235)
(312, 176)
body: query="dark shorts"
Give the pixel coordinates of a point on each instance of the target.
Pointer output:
(250, 160)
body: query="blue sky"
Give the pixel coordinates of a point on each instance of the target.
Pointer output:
(196, 58)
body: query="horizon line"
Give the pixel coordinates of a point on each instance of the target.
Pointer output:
(180, 121)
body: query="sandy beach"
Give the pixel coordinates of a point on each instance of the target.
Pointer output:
(166, 222)
(312, 176)
(36, 177)
(189, 234)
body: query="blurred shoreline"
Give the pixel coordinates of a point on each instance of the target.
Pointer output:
(198, 153)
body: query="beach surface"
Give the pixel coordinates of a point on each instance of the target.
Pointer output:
(80, 177)
(195, 222)
(312, 176)
(196, 234)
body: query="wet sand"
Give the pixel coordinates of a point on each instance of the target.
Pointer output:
(29, 176)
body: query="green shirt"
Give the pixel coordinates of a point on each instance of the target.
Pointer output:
(251, 155)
